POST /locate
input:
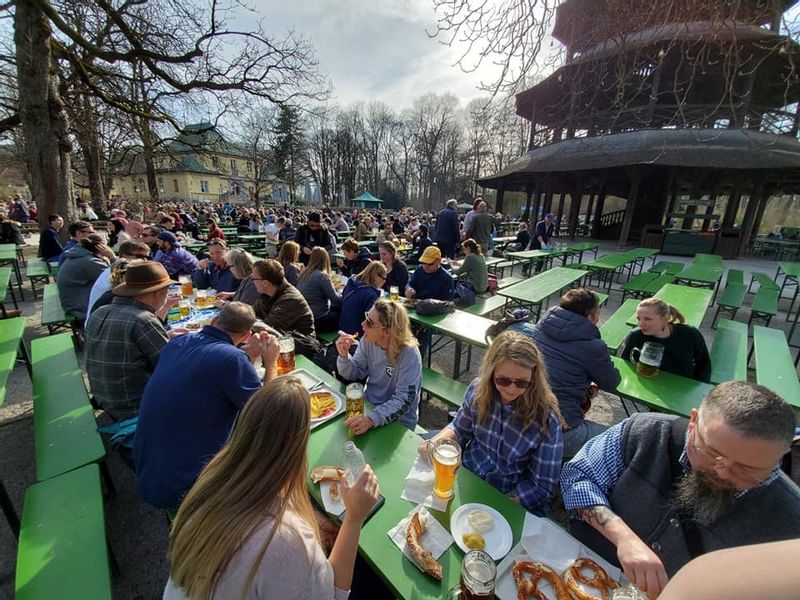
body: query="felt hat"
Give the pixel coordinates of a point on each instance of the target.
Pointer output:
(430, 255)
(143, 278)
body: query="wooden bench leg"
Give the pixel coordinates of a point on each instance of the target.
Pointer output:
(106, 475)
(9, 510)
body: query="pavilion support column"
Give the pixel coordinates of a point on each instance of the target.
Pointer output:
(559, 212)
(537, 204)
(762, 206)
(630, 207)
(598, 211)
(750, 213)
(501, 192)
(667, 198)
(575, 207)
(710, 208)
(528, 193)
(590, 206)
(732, 207)
(548, 200)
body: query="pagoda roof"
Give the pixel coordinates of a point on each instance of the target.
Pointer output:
(734, 149)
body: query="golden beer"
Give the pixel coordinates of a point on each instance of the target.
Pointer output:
(201, 299)
(285, 362)
(446, 457)
(646, 370)
(354, 400)
(187, 289)
(183, 305)
(394, 293)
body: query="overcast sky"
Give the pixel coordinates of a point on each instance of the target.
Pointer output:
(375, 49)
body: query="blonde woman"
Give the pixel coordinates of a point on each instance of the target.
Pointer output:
(509, 425)
(247, 529)
(241, 266)
(288, 257)
(388, 357)
(359, 295)
(317, 288)
(685, 350)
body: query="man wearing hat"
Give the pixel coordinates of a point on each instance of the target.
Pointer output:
(176, 260)
(124, 339)
(430, 280)
(540, 239)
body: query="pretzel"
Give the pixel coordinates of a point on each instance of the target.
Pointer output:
(529, 588)
(600, 581)
(326, 474)
(422, 557)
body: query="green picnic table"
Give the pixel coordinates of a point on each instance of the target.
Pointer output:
(791, 272)
(461, 326)
(535, 290)
(9, 258)
(391, 450)
(700, 275)
(692, 302)
(11, 331)
(615, 329)
(607, 266)
(532, 256)
(5, 284)
(580, 247)
(252, 236)
(665, 392)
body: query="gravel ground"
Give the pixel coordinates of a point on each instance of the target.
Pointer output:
(137, 534)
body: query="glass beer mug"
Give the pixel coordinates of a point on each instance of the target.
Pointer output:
(354, 400)
(478, 574)
(285, 361)
(445, 456)
(649, 361)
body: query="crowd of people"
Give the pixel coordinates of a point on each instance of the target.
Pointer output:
(223, 447)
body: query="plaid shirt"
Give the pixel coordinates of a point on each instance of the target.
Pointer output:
(178, 261)
(123, 341)
(590, 476)
(524, 464)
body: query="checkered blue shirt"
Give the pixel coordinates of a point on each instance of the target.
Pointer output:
(521, 463)
(589, 477)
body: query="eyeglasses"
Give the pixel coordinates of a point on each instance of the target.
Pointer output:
(751, 474)
(368, 322)
(521, 384)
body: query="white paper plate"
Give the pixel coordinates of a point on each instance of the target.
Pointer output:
(339, 404)
(498, 540)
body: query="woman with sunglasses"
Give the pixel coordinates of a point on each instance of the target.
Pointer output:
(388, 357)
(359, 295)
(509, 425)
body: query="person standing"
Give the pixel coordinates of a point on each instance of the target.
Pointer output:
(540, 239)
(447, 233)
(480, 228)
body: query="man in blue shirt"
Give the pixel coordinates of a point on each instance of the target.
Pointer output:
(430, 280)
(191, 400)
(213, 272)
(447, 233)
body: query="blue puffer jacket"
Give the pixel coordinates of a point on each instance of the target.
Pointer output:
(357, 298)
(574, 356)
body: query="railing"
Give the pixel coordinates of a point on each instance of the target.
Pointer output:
(612, 218)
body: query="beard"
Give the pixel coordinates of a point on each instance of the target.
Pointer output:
(704, 497)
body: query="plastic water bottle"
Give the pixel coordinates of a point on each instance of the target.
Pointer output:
(353, 462)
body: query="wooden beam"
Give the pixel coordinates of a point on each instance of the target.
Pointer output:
(630, 207)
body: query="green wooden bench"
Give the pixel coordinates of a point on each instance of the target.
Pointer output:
(38, 271)
(507, 281)
(499, 268)
(774, 366)
(62, 551)
(765, 304)
(730, 301)
(763, 280)
(735, 277)
(443, 387)
(5, 284)
(637, 286)
(664, 267)
(729, 352)
(485, 305)
(53, 316)
(615, 328)
(11, 346)
(65, 430)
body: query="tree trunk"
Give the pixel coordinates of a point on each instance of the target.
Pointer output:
(44, 120)
(86, 134)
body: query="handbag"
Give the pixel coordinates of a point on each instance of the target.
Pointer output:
(430, 307)
(463, 293)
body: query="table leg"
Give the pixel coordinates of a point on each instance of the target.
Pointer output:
(13, 295)
(457, 363)
(9, 510)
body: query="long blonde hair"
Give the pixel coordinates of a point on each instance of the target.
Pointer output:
(370, 274)
(535, 403)
(662, 308)
(259, 474)
(318, 261)
(290, 252)
(394, 317)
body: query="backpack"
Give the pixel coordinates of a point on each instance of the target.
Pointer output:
(430, 307)
(463, 294)
(512, 317)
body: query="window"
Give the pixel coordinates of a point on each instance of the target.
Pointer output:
(249, 167)
(215, 161)
(175, 187)
(233, 165)
(204, 186)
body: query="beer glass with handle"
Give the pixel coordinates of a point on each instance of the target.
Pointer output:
(445, 456)
(650, 356)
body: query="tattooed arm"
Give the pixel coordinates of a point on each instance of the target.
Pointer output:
(641, 565)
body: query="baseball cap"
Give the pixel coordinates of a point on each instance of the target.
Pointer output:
(430, 255)
(550, 216)
(168, 236)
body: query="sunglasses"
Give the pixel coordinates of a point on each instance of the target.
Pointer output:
(368, 322)
(521, 384)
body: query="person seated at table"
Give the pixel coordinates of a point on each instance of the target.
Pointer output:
(240, 263)
(317, 288)
(359, 295)
(396, 269)
(247, 528)
(288, 256)
(201, 382)
(685, 350)
(83, 265)
(101, 293)
(578, 362)
(176, 260)
(420, 242)
(213, 272)
(522, 240)
(656, 490)
(509, 425)
(280, 305)
(430, 280)
(362, 231)
(388, 357)
(386, 234)
(355, 259)
(473, 268)
(214, 232)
